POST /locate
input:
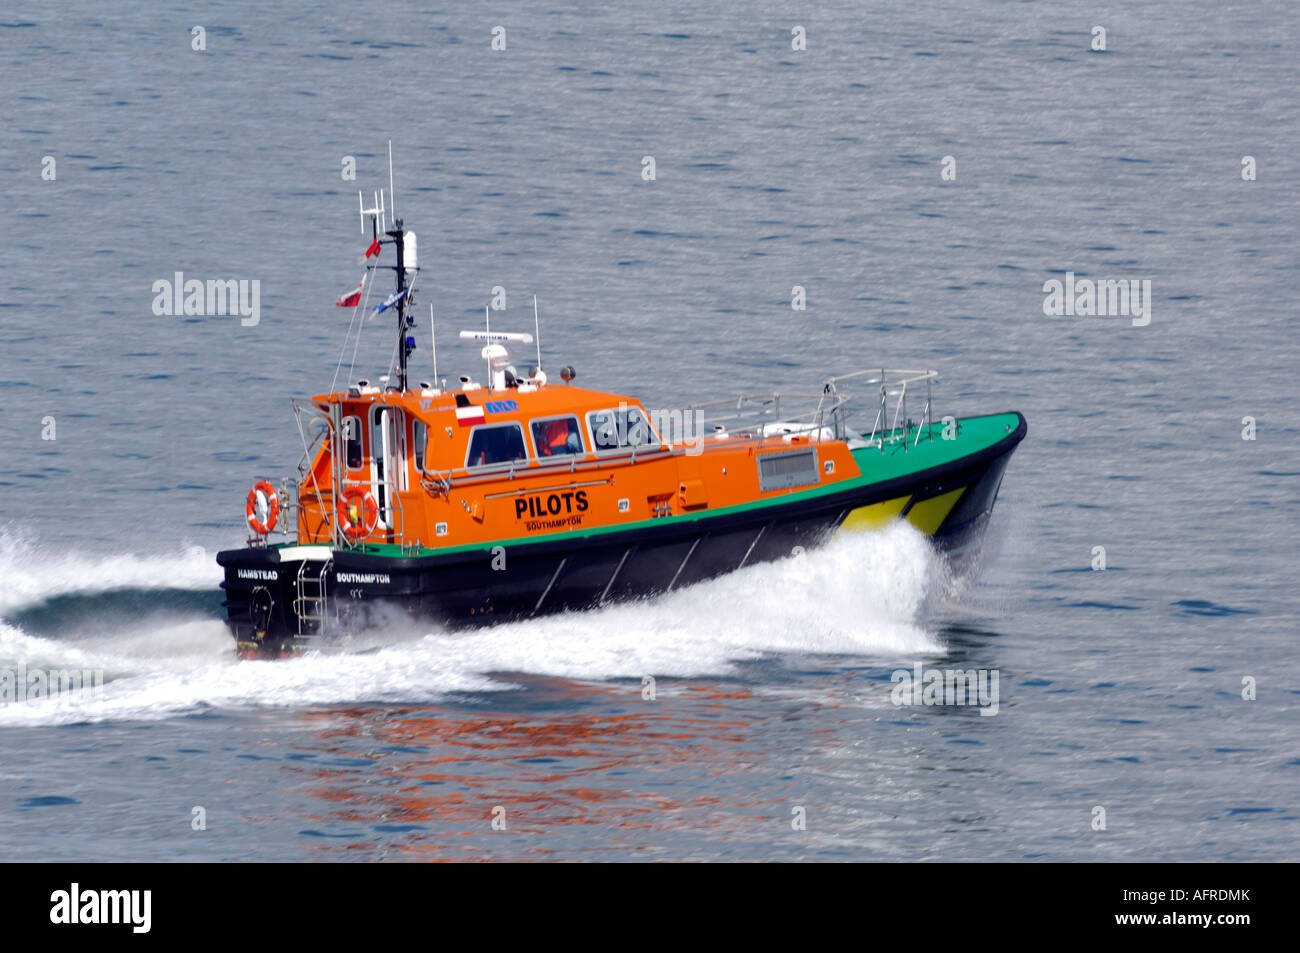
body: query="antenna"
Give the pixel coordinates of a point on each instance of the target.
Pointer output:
(433, 344)
(537, 328)
(392, 196)
(376, 213)
(487, 323)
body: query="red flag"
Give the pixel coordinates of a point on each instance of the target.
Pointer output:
(373, 249)
(350, 299)
(469, 416)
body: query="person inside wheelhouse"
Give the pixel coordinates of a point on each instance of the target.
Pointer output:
(557, 438)
(496, 443)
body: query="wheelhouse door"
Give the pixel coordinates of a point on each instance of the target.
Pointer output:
(387, 462)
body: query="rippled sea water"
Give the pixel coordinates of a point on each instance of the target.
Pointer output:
(1119, 689)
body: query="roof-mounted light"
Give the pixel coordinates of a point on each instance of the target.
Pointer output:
(496, 337)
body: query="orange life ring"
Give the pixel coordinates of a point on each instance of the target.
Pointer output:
(357, 520)
(272, 508)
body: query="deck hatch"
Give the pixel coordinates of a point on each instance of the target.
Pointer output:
(788, 468)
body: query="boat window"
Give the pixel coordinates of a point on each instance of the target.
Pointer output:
(780, 471)
(421, 442)
(352, 442)
(496, 443)
(620, 428)
(555, 437)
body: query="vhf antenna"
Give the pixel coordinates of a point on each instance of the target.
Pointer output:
(376, 213)
(433, 345)
(537, 329)
(487, 327)
(392, 196)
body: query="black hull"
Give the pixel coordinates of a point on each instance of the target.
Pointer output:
(272, 613)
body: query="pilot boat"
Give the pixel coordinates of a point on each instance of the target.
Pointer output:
(518, 495)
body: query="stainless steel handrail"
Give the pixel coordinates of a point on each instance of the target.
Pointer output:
(748, 413)
(893, 383)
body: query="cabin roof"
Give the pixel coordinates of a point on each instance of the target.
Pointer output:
(509, 403)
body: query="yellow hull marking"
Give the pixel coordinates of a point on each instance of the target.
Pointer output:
(874, 516)
(928, 515)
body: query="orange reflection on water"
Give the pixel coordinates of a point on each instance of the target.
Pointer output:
(628, 766)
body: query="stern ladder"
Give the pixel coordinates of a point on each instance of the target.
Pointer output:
(311, 604)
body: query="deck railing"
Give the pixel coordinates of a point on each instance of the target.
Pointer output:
(893, 385)
(765, 417)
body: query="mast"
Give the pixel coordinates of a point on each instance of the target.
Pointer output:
(405, 320)
(404, 244)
